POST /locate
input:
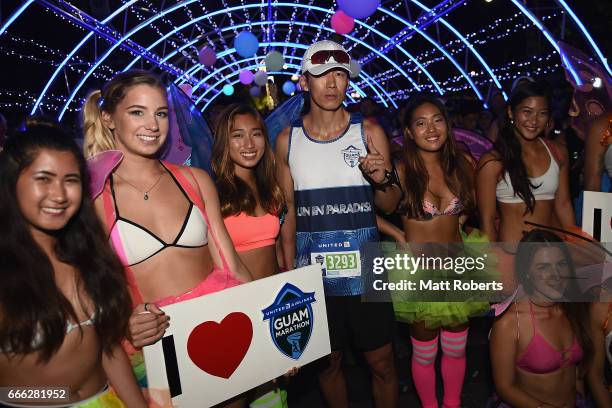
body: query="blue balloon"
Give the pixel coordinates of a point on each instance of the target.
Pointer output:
(246, 44)
(288, 88)
(228, 89)
(358, 9)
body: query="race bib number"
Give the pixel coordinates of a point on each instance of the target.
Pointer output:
(339, 259)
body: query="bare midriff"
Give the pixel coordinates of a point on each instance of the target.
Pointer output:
(512, 219)
(557, 388)
(77, 365)
(172, 272)
(261, 262)
(443, 228)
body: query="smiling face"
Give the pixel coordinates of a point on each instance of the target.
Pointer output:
(246, 143)
(549, 273)
(327, 91)
(140, 121)
(427, 127)
(49, 190)
(530, 116)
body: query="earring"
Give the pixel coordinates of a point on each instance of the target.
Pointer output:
(512, 121)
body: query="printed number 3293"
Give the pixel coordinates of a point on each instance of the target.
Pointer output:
(340, 261)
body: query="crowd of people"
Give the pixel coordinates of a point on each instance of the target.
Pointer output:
(90, 256)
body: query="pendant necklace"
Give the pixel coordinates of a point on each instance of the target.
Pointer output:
(146, 192)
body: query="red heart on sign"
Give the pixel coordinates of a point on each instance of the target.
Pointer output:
(218, 348)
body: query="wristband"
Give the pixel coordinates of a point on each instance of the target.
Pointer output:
(391, 178)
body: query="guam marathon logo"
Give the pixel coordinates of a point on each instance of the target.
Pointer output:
(351, 155)
(291, 320)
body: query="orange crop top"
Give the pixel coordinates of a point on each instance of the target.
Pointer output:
(248, 232)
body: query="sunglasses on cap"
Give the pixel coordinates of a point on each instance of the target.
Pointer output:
(321, 57)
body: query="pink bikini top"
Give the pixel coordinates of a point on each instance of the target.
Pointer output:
(248, 232)
(541, 358)
(431, 210)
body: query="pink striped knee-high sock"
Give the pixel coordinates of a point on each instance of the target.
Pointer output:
(424, 370)
(453, 366)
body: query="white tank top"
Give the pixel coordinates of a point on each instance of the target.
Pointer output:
(334, 206)
(546, 184)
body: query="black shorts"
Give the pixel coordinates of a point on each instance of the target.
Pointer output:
(367, 325)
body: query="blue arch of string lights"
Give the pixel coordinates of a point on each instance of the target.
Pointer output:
(255, 66)
(310, 7)
(306, 24)
(197, 67)
(368, 79)
(228, 9)
(182, 4)
(536, 22)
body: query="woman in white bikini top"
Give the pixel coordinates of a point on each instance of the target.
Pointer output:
(524, 179)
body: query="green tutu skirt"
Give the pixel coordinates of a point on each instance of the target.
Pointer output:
(410, 308)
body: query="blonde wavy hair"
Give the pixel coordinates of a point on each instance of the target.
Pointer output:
(98, 137)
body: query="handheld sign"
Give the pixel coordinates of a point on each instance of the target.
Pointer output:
(597, 215)
(223, 344)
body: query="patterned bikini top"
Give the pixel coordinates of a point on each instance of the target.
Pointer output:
(455, 207)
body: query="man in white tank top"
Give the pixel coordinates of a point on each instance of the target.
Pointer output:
(334, 168)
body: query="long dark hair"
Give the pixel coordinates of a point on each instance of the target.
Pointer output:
(458, 171)
(576, 312)
(30, 301)
(509, 147)
(234, 194)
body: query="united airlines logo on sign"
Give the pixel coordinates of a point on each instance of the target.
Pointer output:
(291, 320)
(351, 155)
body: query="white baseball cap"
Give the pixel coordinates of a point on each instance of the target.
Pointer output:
(330, 55)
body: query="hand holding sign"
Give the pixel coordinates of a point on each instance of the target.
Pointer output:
(372, 165)
(147, 325)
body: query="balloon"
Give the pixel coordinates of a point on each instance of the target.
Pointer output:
(228, 89)
(341, 23)
(288, 87)
(274, 61)
(358, 9)
(187, 89)
(246, 77)
(261, 78)
(355, 67)
(255, 91)
(207, 56)
(246, 44)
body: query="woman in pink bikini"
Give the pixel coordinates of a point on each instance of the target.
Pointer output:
(251, 199)
(541, 342)
(164, 220)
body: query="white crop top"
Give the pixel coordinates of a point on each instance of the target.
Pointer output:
(545, 186)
